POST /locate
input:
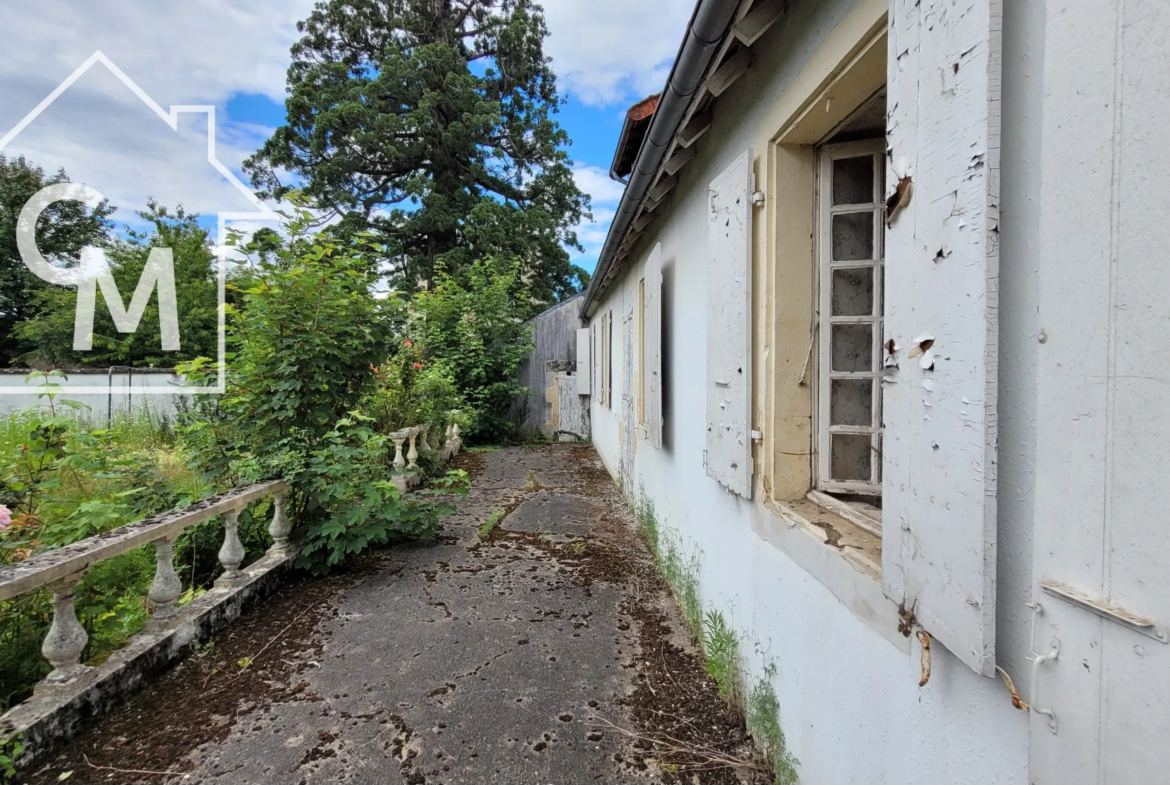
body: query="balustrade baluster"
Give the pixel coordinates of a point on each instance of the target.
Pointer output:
(66, 638)
(412, 454)
(399, 461)
(231, 555)
(166, 587)
(280, 528)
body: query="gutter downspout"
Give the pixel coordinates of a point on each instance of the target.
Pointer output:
(704, 33)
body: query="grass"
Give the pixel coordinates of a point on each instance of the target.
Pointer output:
(490, 523)
(678, 566)
(720, 643)
(483, 448)
(724, 664)
(763, 722)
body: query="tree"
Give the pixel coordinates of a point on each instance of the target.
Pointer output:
(62, 231)
(430, 123)
(50, 331)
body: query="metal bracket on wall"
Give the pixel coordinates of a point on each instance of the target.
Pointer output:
(1038, 660)
(1132, 621)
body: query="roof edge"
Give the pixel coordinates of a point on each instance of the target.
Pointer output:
(707, 28)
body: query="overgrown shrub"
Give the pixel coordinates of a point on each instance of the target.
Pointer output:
(307, 341)
(474, 333)
(412, 388)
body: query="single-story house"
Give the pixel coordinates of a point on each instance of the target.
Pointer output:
(876, 334)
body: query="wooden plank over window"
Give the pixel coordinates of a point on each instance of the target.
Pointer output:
(728, 457)
(941, 296)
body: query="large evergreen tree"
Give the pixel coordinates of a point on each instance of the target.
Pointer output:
(430, 123)
(63, 230)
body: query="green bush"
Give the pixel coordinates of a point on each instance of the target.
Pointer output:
(307, 342)
(473, 332)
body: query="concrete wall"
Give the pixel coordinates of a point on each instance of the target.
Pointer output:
(133, 391)
(847, 682)
(554, 339)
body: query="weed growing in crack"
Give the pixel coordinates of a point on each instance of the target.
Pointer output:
(490, 523)
(763, 722)
(724, 665)
(756, 700)
(678, 566)
(10, 749)
(576, 548)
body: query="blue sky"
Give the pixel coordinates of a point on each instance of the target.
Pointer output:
(607, 55)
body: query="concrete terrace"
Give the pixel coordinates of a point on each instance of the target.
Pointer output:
(550, 652)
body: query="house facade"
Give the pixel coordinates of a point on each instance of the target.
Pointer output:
(876, 334)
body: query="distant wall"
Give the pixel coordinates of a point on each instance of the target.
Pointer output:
(554, 339)
(140, 388)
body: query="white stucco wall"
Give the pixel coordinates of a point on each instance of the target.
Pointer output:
(850, 702)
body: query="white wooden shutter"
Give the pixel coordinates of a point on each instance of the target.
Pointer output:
(596, 357)
(942, 251)
(583, 364)
(728, 457)
(652, 362)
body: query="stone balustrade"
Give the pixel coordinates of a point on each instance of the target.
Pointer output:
(75, 692)
(407, 473)
(60, 570)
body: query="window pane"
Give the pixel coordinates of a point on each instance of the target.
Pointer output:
(853, 292)
(853, 180)
(851, 402)
(852, 347)
(853, 237)
(850, 457)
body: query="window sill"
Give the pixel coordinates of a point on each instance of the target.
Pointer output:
(844, 557)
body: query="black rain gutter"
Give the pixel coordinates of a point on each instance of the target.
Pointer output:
(704, 34)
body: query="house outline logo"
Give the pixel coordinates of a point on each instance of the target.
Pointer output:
(262, 213)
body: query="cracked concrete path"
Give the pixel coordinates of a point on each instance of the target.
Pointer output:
(548, 653)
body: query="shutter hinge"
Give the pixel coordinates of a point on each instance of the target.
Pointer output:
(757, 198)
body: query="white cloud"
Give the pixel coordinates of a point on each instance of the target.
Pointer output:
(614, 51)
(596, 182)
(606, 194)
(178, 52)
(201, 52)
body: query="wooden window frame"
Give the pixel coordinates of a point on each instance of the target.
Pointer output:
(823, 429)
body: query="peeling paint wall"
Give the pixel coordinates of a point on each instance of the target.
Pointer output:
(568, 410)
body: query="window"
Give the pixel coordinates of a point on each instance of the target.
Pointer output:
(850, 240)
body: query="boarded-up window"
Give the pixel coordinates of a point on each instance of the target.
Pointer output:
(728, 456)
(941, 297)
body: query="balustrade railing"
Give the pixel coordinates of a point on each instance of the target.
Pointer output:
(61, 570)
